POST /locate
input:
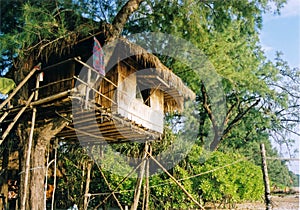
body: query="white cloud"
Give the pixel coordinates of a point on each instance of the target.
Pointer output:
(267, 48)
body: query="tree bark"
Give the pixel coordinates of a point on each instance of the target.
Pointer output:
(121, 18)
(4, 177)
(36, 179)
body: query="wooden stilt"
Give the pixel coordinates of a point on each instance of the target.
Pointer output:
(178, 183)
(87, 93)
(266, 177)
(87, 185)
(137, 191)
(147, 184)
(46, 176)
(27, 164)
(54, 181)
(144, 196)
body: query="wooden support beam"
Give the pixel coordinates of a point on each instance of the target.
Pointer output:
(37, 67)
(55, 167)
(30, 141)
(147, 184)
(90, 87)
(178, 183)
(94, 70)
(265, 177)
(4, 116)
(87, 185)
(52, 98)
(57, 64)
(137, 191)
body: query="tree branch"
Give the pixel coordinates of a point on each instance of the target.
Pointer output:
(238, 118)
(121, 18)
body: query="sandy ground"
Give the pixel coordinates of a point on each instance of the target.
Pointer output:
(287, 202)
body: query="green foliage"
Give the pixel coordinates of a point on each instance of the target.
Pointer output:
(240, 179)
(38, 25)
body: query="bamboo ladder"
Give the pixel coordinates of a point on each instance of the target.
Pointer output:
(6, 101)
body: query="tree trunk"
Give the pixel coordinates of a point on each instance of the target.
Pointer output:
(36, 179)
(4, 176)
(121, 18)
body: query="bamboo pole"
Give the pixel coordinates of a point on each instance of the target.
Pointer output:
(37, 67)
(178, 183)
(87, 93)
(11, 125)
(109, 187)
(147, 184)
(52, 98)
(137, 191)
(265, 177)
(55, 165)
(57, 64)
(117, 187)
(4, 116)
(87, 185)
(46, 178)
(88, 86)
(27, 164)
(94, 70)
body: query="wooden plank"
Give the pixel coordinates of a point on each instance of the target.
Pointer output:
(85, 133)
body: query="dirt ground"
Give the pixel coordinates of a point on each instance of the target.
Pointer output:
(286, 202)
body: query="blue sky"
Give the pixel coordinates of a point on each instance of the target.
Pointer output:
(282, 33)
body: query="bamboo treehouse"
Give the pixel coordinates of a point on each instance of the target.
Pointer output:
(65, 92)
(129, 102)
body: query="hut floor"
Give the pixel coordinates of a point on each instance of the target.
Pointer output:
(95, 125)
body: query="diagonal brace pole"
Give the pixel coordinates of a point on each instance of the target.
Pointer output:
(37, 67)
(178, 183)
(123, 180)
(109, 187)
(16, 118)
